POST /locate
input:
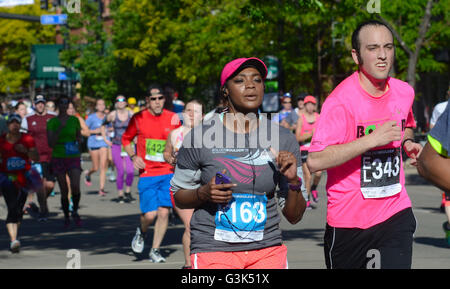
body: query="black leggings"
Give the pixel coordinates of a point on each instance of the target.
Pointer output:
(15, 199)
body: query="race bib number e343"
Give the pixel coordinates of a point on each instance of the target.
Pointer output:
(380, 173)
(242, 220)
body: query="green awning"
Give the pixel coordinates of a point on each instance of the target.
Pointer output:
(44, 64)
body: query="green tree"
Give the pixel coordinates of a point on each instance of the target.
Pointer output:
(88, 52)
(16, 39)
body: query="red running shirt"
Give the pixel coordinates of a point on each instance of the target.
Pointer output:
(13, 162)
(152, 132)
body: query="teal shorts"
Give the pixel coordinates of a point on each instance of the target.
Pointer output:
(154, 193)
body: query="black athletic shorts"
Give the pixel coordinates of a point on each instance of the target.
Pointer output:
(45, 171)
(387, 245)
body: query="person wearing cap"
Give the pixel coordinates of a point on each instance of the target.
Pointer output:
(286, 102)
(17, 150)
(151, 126)
(132, 105)
(290, 121)
(230, 179)
(36, 125)
(306, 124)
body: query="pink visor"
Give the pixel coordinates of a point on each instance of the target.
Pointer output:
(240, 63)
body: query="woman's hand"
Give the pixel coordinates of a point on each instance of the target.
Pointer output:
(216, 193)
(287, 164)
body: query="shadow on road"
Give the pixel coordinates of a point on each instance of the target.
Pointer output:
(98, 235)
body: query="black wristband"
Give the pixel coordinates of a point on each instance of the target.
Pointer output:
(405, 140)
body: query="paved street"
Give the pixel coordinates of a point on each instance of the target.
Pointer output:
(108, 227)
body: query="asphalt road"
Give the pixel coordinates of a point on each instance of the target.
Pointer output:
(103, 242)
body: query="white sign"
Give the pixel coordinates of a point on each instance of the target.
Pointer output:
(11, 3)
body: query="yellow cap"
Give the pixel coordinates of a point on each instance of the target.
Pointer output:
(131, 100)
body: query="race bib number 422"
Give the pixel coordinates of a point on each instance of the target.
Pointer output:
(380, 173)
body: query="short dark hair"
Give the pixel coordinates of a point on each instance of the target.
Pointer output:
(356, 44)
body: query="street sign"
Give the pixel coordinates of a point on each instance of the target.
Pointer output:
(62, 76)
(54, 19)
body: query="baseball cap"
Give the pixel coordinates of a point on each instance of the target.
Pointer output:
(131, 100)
(310, 98)
(39, 98)
(239, 64)
(14, 116)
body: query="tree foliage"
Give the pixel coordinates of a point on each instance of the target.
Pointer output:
(16, 39)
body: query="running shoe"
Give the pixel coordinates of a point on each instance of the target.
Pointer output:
(308, 205)
(87, 180)
(77, 219)
(70, 205)
(137, 245)
(43, 217)
(102, 193)
(129, 198)
(121, 200)
(15, 246)
(155, 256)
(315, 195)
(446, 227)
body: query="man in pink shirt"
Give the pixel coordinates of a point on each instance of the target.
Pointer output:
(365, 124)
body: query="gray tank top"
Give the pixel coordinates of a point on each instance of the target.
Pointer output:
(119, 128)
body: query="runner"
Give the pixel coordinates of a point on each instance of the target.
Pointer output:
(64, 136)
(290, 121)
(434, 162)
(152, 127)
(192, 116)
(306, 125)
(36, 125)
(236, 224)
(364, 125)
(119, 118)
(98, 149)
(17, 150)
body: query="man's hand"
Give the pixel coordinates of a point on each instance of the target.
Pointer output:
(138, 163)
(412, 150)
(386, 133)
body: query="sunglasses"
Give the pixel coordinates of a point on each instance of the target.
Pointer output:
(156, 98)
(120, 100)
(286, 102)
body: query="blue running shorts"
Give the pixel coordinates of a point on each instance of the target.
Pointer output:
(154, 192)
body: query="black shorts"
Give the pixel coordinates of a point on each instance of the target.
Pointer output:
(387, 245)
(46, 171)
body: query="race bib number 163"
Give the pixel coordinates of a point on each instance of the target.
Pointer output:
(380, 173)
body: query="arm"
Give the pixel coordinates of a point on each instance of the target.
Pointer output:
(411, 148)
(84, 129)
(295, 204)
(127, 138)
(335, 155)
(434, 167)
(168, 151)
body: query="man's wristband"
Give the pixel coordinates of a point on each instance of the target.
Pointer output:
(405, 140)
(131, 157)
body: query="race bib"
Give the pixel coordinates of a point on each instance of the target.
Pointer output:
(71, 148)
(15, 163)
(242, 220)
(99, 137)
(380, 173)
(154, 149)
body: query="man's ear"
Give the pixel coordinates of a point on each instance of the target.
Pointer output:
(356, 57)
